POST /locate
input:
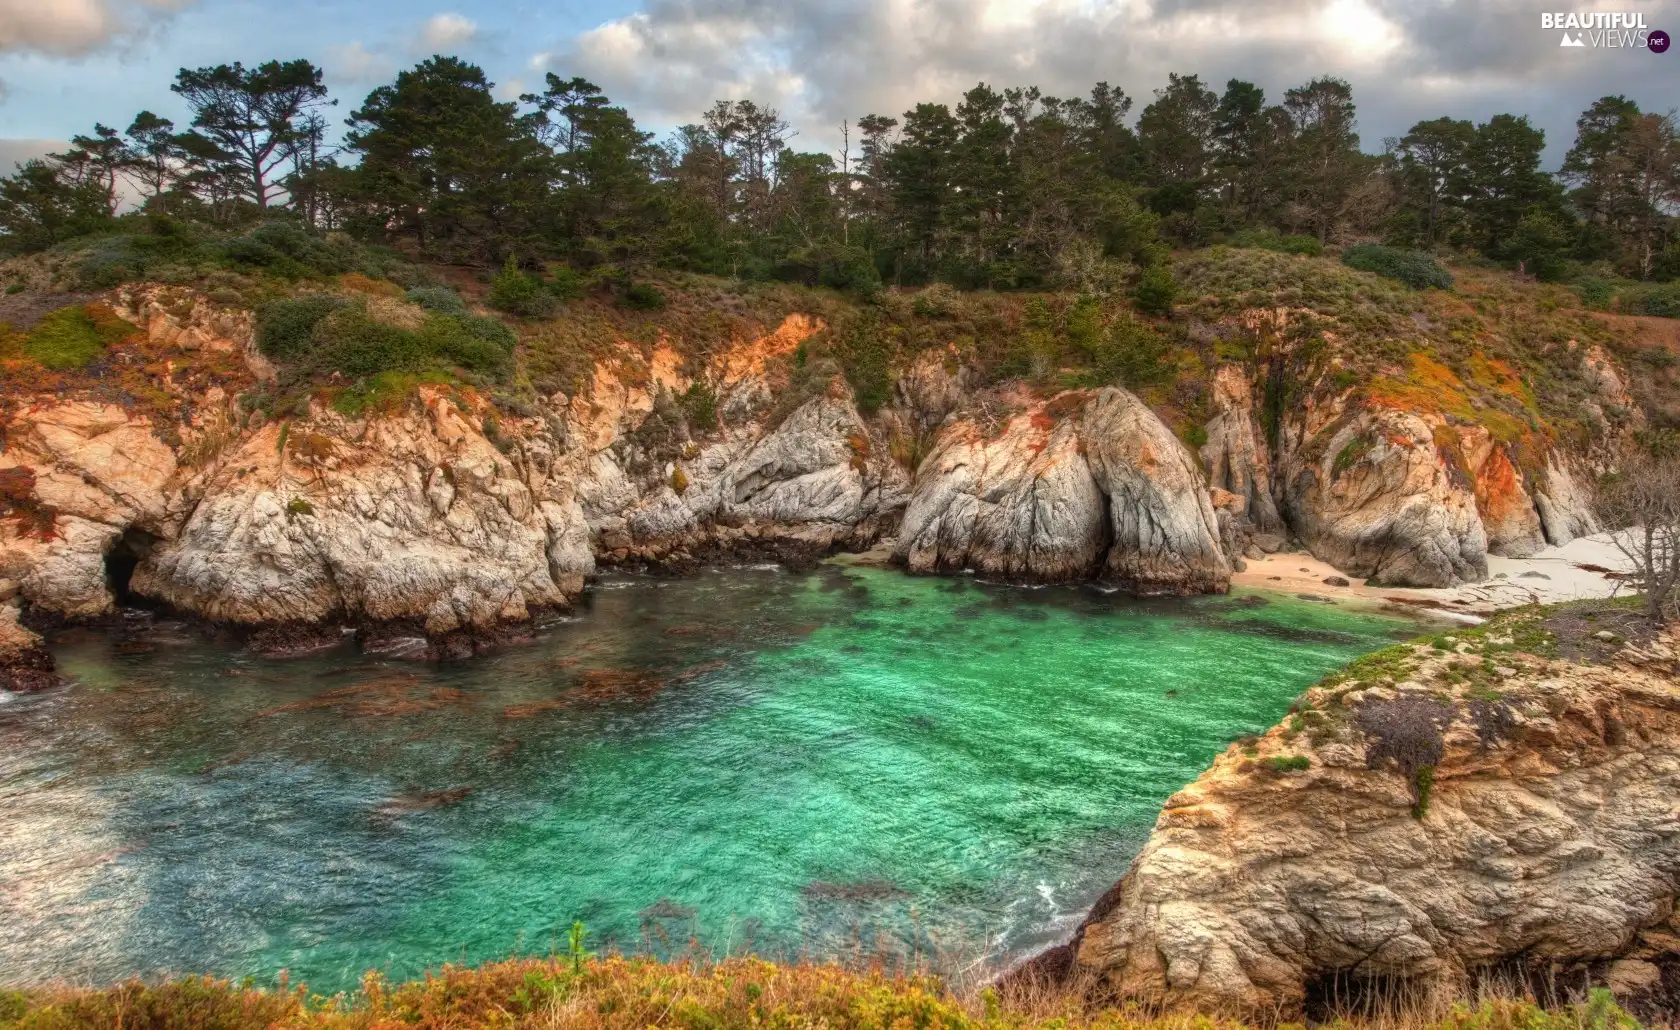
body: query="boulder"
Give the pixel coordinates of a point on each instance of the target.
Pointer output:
(1236, 455)
(1548, 838)
(1377, 499)
(25, 664)
(1086, 484)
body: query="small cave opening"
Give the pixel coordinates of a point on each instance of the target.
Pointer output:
(1349, 995)
(121, 560)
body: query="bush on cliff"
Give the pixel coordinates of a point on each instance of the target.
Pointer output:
(1270, 239)
(1413, 267)
(66, 339)
(1662, 300)
(519, 294)
(168, 249)
(319, 334)
(616, 993)
(1155, 291)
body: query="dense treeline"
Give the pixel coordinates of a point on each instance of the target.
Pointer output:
(1009, 189)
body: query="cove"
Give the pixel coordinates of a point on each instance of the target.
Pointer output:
(846, 762)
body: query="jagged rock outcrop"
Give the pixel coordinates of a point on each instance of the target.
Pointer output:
(1507, 509)
(94, 471)
(416, 518)
(1377, 499)
(448, 514)
(1022, 505)
(1083, 485)
(1565, 508)
(1547, 837)
(441, 514)
(25, 663)
(1163, 536)
(1236, 455)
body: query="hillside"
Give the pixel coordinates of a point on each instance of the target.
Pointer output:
(287, 432)
(634, 993)
(1489, 804)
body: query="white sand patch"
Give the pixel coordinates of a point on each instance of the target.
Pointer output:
(1567, 573)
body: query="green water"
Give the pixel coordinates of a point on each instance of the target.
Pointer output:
(804, 765)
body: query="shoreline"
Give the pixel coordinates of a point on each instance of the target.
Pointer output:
(1580, 570)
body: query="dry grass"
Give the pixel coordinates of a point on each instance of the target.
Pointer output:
(633, 994)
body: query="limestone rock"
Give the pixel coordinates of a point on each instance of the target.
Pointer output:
(1378, 501)
(1022, 506)
(1565, 511)
(1508, 512)
(1235, 454)
(1076, 487)
(24, 662)
(319, 529)
(1163, 534)
(1554, 841)
(93, 471)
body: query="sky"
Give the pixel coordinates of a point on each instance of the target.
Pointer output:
(65, 64)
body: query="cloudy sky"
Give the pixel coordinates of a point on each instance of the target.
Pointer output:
(65, 64)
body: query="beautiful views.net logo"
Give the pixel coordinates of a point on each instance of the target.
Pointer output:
(1615, 30)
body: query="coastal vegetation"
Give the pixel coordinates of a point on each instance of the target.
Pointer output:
(617, 993)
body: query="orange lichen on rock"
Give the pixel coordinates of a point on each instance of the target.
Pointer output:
(746, 358)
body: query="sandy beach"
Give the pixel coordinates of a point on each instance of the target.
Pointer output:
(1580, 569)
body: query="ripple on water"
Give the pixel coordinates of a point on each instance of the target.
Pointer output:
(790, 763)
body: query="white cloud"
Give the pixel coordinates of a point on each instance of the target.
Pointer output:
(14, 152)
(443, 31)
(353, 62)
(74, 28)
(821, 62)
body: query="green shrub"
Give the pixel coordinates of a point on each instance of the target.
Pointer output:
(1351, 453)
(1155, 291)
(1595, 293)
(1268, 239)
(475, 343)
(850, 269)
(299, 506)
(285, 328)
(1288, 763)
(519, 294)
(699, 403)
(1662, 301)
(642, 297)
(326, 334)
(314, 254)
(568, 283)
(383, 392)
(1423, 785)
(350, 342)
(1131, 354)
(865, 354)
(440, 299)
(1415, 268)
(71, 338)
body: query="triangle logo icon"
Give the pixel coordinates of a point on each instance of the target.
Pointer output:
(1567, 41)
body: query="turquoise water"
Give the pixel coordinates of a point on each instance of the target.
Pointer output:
(846, 762)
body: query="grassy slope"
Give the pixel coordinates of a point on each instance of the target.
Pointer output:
(1494, 351)
(632, 994)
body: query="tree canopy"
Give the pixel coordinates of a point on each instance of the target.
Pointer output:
(1007, 188)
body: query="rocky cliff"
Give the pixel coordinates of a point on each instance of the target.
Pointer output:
(1438, 812)
(161, 473)
(1086, 485)
(438, 511)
